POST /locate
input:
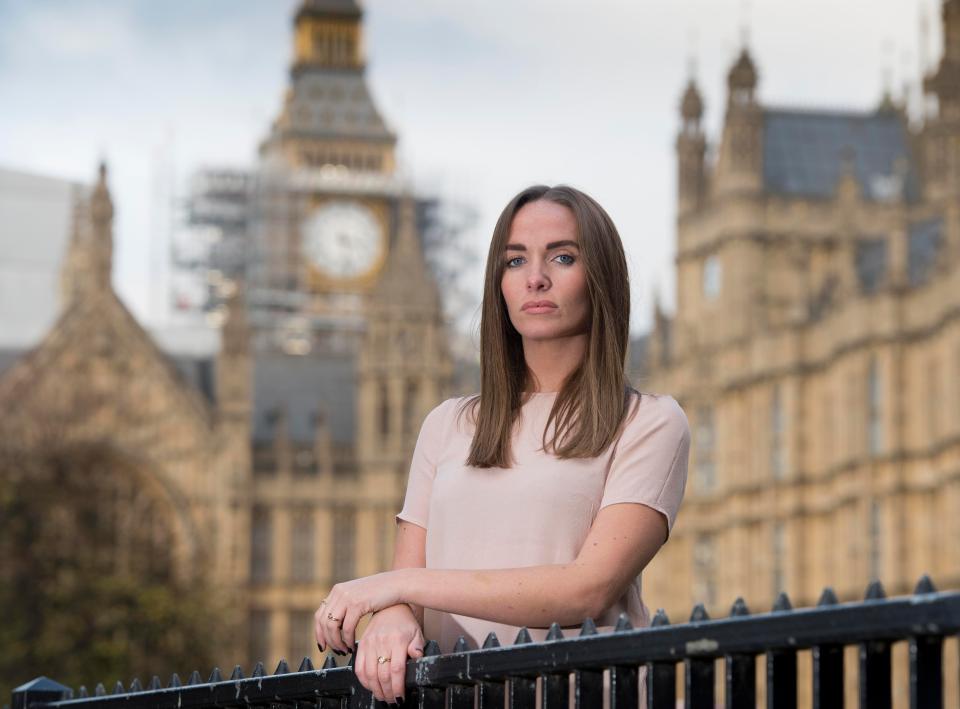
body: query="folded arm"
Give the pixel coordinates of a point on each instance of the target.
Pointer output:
(622, 540)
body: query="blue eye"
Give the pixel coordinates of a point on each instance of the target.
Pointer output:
(511, 263)
(571, 260)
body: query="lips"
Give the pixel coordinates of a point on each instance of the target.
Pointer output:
(539, 306)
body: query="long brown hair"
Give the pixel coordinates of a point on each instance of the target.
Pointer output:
(592, 403)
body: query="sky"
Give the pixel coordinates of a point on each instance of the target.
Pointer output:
(487, 97)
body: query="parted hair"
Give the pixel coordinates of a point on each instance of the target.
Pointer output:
(592, 403)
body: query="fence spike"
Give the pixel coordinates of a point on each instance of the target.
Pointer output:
(491, 641)
(306, 665)
(623, 623)
(659, 618)
(331, 662)
(739, 608)
(523, 637)
(431, 648)
(258, 670)
(875, 592)
(99, 690)
(588, 627)
(828, 597)
(925, 585)
(118, 688)
(194, 678)
(135, 686)
(83, 692)
(782, 603)
(555, 632)
(215, 676)
(154, 683)
(282, 668)
(460, 645)
(237, 672)
(175, 681)
(699, 613)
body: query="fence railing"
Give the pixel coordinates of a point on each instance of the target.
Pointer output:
(488, 676)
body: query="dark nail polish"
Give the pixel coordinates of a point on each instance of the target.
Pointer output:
(399, 701)
(319, 647)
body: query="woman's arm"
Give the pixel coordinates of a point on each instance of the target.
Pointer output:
(622, 541)
(410, 552)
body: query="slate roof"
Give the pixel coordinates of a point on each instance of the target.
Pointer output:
(345, 8)
(302, 386)
(804, 153)
(332, 103)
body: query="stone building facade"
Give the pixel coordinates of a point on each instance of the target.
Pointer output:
(281, 461)
(815, 347)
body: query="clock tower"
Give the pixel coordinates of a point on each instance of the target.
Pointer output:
(327, 198)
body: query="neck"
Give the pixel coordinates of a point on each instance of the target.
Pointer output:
(551, 361)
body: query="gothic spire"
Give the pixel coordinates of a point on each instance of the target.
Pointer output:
(88, 263)
(406, 279)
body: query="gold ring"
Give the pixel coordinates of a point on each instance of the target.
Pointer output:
(381, 659)
(330, 617)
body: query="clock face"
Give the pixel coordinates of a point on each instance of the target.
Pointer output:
(342, 239)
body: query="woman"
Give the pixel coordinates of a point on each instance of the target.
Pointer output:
(542, 499)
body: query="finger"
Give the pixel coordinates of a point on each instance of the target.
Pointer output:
(383, 675)
(318, 629)
(373, 670)
(361, 669)
(349, 626)
(331, 626)
(415, 648)
(398, 668)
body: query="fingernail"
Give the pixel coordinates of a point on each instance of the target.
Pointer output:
(399, 701)
(319, 647)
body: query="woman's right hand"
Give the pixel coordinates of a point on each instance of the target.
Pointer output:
(395, 633)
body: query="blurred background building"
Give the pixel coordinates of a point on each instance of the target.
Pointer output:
(285, 453)
(815, 346)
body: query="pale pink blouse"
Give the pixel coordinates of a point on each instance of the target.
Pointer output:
(540, 510)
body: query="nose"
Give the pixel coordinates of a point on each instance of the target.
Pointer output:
(537, 280)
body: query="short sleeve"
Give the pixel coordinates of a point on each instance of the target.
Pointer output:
(423, 466)
(649, 463)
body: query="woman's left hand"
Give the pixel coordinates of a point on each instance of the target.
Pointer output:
(335, 621)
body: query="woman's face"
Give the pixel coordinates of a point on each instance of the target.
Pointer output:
(544, 284)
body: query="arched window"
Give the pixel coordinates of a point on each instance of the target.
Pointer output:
(712, 277)
(779, 553)
(261, 541)
(704, 571)
(344, 541)
(259, 646)
(301, 547)
(410, 394)
(383, 410)
(778, 457)
(705, 470)
(875, 534)
(874, 408)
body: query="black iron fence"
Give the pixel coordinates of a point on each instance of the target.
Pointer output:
(489, 676)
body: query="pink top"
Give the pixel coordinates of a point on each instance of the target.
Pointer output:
(540, 510)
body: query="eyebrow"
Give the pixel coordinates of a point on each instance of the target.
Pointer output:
(551, 245)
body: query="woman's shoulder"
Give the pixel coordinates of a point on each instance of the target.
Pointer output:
(448, 412)
(650, 411)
